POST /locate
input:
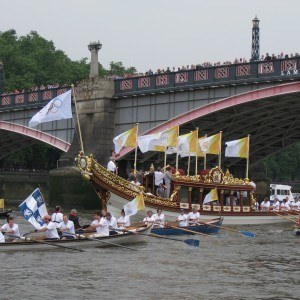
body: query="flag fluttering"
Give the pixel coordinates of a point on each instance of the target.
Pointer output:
(237, 148)
(126, 139)
(187, 143)
(34, 209)
(58, 108)
(134, 205)
(211, 196)
(210, 144)
(158, 141)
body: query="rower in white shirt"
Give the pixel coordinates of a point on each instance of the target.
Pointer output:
(11, 229)
(67, 228)
(50, 229)
(193, 216)
(149, 218)
(295, 205)
(265, 205)
(284, 206)
(112, 223)
(57, 216)
(124, 220)
(100, 224)
(182, 218)
(276, 205)
(159, 218)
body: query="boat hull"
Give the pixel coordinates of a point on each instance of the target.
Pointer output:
(120, 239)
(203, 228)
(116, 203)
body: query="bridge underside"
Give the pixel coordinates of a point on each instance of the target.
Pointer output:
(271, 116)
(14, 137)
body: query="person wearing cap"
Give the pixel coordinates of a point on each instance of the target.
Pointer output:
(123, 220)
(50, 228)
(57, 216)
(182, 218)
(74, 218)
(67, 228)
(100, 224)
(194, 215)
(111, 166)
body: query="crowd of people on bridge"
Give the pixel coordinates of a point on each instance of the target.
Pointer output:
(37, 88)
(266, 57)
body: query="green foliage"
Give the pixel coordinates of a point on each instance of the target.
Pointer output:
(284, 165)
(31, 61)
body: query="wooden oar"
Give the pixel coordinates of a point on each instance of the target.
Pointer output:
(245, 233)
(190, 242)
(284, 217)
(190, 231)
(48, 243)
(106, 242)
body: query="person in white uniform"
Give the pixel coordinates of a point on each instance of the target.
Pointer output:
(159, 218)
(265, 205)
(193, 216)
(111, 166)
(67, 228)
(112, 223)
(182, 219)
(295, 205)
(100, 224)
(149, 219)
(276, 205)
(57, 216)
(123, 221)
(284, 206)
(50, 228)
(11, 230)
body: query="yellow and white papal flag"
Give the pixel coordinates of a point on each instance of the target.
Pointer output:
(126, 139)
(237, 148)
(134, 205)
(187, 143)
(210, 144)
(211, 196)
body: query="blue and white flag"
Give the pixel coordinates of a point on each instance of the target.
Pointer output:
(34, 209)
(57, 109)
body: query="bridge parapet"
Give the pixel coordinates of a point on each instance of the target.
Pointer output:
(30, 99)
(258, 71)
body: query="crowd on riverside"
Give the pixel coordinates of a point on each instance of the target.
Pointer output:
(266, 57)
(37, 88)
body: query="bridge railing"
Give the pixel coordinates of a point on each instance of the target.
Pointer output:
(30, 99)
(208, 76)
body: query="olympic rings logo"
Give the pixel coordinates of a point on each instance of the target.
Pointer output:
(55, 106)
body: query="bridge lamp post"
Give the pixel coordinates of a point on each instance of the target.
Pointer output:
(255, 40)
(94, 47)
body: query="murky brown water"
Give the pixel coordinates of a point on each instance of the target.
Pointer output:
(229, 266)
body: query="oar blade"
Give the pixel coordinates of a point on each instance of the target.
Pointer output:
(192, 242)
(248, 234)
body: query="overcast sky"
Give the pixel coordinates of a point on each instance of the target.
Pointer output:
(158, 33)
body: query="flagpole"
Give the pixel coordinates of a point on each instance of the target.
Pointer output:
(248, 146)
(189, 161)
(204, 166)
(220, 149)
(197, 148)
(76, 110)
(165, 159)
(177, 150)
(136, 146)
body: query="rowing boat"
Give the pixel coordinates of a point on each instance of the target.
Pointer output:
(201, 228)
(124, 238)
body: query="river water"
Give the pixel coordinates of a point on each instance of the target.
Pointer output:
(229, 266)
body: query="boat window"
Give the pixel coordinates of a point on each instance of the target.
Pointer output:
(272, 191)
(184, 195)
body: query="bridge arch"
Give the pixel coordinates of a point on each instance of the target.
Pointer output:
(271, 115)
(14, 137)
